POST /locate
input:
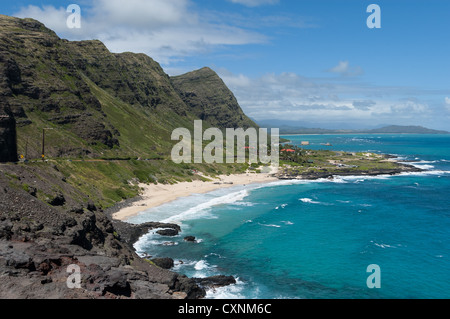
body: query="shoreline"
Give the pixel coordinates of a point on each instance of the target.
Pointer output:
(156, 195)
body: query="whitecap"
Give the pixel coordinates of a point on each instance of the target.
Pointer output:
(384, 246)
(270, 225)
(195, 211)
(426, 162)
(215, 255)
(183, 263)
(151, 239)
(423, 166)
(245, 204)
(308, 200)
(234, 291)
(201, 265)
(362, 178)
(338, 180)
(425, 173)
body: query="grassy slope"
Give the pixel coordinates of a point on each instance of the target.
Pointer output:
(144, 135)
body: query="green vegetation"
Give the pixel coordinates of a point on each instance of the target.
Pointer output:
(109, 182)
(295, 161)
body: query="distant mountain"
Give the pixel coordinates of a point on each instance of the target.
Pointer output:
(406, 129)
(392, 129)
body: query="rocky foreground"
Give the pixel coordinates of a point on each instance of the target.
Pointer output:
(40, 240)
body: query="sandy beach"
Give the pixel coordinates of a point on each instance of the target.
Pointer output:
(157, 195)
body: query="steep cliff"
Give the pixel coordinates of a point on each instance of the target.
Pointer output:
(210, 99)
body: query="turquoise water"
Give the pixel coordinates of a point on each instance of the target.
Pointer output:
(315, 239)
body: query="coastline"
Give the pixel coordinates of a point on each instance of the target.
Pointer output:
(155, 195)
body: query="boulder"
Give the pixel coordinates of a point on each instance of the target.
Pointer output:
(189, 239)
(216, 281)
(58, 200)
(167, 232)
(165, 263)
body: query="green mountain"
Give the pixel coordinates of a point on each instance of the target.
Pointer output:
(98, 103)
(209, 99)
(104, 119)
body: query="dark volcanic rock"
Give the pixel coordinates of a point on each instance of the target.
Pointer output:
(130, 233)
(216, 281)
(189, 239)
(165, 263)
(58, 200)
(170, 232)
(38, 242)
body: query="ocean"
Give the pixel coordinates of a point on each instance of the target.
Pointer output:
(316, 239)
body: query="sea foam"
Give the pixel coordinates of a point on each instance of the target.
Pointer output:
(203, 207)
(308, 200)
(228, 292)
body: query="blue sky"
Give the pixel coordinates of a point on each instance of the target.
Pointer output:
(314, 62)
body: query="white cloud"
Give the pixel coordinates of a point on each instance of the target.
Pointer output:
(290, 96)
(321, 102)
(166, 30)
(447, 103)
(255, 3)
(145, 13)
(410, 107)
(344, 69)
(53, 18)
(364, 105)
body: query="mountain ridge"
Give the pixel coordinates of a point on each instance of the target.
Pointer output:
(98, 103)
(204, 91)
(389, 129)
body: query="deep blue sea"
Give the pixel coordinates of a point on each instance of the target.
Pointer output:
(315, 239)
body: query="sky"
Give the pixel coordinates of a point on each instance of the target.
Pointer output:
(315, 63)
